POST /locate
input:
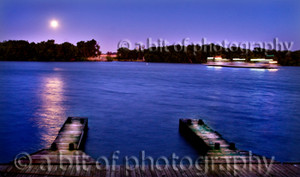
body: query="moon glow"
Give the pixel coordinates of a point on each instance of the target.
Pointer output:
(54, 24)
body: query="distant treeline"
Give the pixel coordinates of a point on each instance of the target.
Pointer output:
(47, 51)
(199, 54)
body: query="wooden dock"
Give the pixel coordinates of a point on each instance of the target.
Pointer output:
(65, 157)
(215, 148)
(71, 135)
(67, 147)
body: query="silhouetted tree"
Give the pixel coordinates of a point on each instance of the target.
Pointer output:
(47, 51)
(199, 54)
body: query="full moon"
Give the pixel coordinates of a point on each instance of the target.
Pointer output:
(54, 24)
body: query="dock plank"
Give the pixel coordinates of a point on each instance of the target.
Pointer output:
(199, 170)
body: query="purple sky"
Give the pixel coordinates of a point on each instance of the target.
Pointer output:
(108, 22)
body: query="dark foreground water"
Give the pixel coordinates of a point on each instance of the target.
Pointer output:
(136, 106)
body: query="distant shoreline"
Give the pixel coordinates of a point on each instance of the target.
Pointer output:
(122, 61)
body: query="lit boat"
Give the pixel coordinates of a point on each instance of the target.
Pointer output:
(236, 63)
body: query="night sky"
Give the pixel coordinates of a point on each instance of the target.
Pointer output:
(108, 22)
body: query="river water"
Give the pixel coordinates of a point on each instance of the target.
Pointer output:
(135, 106)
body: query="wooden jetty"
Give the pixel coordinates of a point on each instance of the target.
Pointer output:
(67, 147)
(65, 157)
(71, 135)
(215, 148)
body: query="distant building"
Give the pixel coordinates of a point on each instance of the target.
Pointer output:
(103, 57)
(108, 54)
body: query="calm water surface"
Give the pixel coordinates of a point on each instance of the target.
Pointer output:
(136, 106)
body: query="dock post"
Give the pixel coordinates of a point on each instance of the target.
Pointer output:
(200, 122)
(69, 120)
(53, 147)
(217, 146)
(231, 146)
(71, 146)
